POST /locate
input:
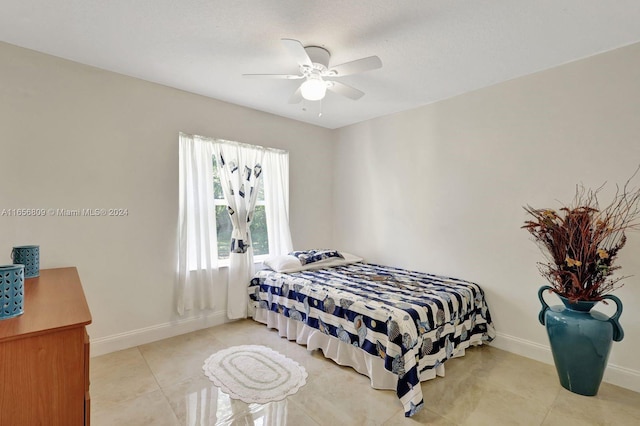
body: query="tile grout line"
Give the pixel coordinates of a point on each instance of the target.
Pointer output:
(164, 395)
(302, 409)
(400, 412)
(551, 407)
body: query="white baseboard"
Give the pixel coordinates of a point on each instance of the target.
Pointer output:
(141, 336)
(616, 375)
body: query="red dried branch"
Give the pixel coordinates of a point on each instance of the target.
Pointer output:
(581, 241)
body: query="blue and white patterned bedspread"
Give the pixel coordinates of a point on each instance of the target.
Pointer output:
(414, 321)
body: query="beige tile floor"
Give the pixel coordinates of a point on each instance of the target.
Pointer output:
(162, 383)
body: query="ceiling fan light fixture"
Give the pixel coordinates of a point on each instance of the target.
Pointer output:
(313, 89)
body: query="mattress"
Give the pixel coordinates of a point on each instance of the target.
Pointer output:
(409, 322)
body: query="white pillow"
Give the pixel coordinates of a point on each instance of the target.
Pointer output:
(288, 263)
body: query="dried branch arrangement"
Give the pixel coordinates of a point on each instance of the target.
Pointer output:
(581, 241)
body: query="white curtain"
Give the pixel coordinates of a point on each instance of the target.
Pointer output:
(197, 248)
(240, 169)
(197, 267)
(276, 196)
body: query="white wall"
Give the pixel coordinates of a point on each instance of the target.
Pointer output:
(441, 188)
(73, 137)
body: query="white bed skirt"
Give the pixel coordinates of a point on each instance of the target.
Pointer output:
(340, 352)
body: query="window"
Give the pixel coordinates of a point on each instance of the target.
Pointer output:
(258, 226)
(204, 226)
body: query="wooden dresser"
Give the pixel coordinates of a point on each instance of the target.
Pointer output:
(44, 354)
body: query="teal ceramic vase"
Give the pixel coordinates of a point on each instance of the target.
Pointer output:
(580, 341)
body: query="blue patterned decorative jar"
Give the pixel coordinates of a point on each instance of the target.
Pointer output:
(11, 291)
(580, 341)
(29, 256)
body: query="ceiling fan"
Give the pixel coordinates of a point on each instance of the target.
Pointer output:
(318, 77)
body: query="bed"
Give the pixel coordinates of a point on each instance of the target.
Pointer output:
(396, 326)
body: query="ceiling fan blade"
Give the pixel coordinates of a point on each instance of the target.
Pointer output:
(296, 97)
(344, 90)
(278, 76)
(359, 65)
(296, 49)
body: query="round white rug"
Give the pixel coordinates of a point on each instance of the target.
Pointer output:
(254, 373)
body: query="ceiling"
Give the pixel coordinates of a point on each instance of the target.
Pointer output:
(430, 49)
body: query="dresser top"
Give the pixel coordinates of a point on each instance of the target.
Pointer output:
(54, 300)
